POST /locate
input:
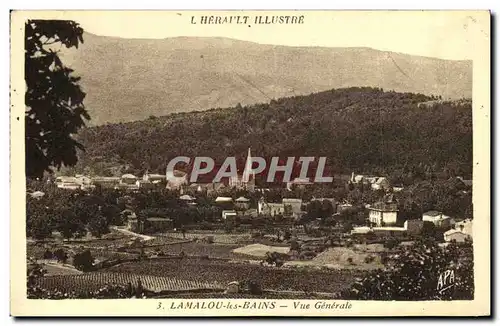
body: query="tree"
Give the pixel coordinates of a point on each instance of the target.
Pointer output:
(319, 209)
(48, 254)
(39, 229)
(83, 261)
(254, 287)
(54, 100)
(287, 234)
(68, 224)
(61, 255)
(274, 258)
(34, 272)
(37, 219)
(98, 226)
(391, 243)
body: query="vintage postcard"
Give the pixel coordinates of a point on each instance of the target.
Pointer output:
(250, 163)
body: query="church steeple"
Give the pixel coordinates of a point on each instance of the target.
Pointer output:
(248, 167)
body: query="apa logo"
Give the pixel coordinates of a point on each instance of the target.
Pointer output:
(446, 280)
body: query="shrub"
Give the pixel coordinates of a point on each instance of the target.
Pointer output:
(287, 235)
(400, 282)
(256, 235)
(275, 258)
(254, 287)
(369, 259)
(61, 255)
(307, 255)
(391, 243)
(83, 261)
(48, 254)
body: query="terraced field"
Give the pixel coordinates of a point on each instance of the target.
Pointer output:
(218, 237)
(198, 249)
(163, 240)
(94, 281)
(270, 278)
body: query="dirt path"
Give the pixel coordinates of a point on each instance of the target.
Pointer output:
(56, 268)
(127, 232)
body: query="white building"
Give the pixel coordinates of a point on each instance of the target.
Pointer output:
(176, 179)
(70, 183)
(228, 214)
(272, 209)
(465, 226)
(106, 182)
(381, 183)
(83, 180)
(410, 227)
(152, 177)
(242, 203)
(343, 206)
(375, 183)
(397, 188)
(223, 200)
(128, 179)
(37, 194)
(456, 235)
(383, 213)
(292, 206)
(298, 183)
(437, 218)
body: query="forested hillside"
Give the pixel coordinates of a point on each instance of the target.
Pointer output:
(366, 130)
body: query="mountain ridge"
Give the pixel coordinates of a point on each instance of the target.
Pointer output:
(132, 79)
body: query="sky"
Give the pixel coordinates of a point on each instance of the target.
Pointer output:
(446, 35)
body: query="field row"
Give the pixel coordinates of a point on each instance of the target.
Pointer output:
(265, 295)
(217, 237)
(196, 249)
(94, 281)
(270, 278)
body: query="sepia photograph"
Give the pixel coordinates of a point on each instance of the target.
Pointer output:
(250, 162)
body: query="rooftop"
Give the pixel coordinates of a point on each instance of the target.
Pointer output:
(453, 231)
(292, 200)
(186, 197)
(385, 207)
(433, 213)
(129, 176)
(223, 199)
(159, 219)
(366, 229)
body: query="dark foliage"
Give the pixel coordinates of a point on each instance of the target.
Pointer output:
(48, 254)
(61, 255)
(254, 287)
(83, 261)
(109, 291)
(54, 100)
(362, 129)
(417, 273)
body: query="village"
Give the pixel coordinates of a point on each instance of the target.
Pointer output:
(160, 235)
(147, 234)
(382, 218)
